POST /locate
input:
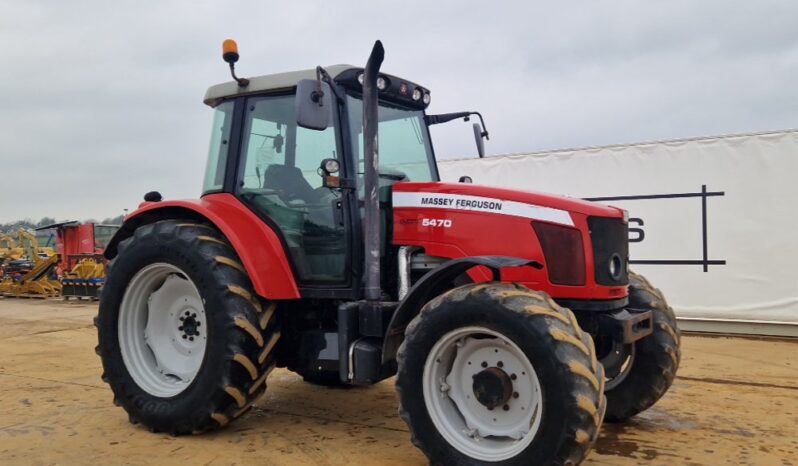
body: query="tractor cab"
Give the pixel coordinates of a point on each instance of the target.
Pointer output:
(309, 183)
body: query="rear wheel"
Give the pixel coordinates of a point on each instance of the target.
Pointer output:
(185, 342)
(499, 374)
(649, 365)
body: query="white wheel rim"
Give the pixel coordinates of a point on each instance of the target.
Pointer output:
(162, 330)
(611, 383)
(465, 423)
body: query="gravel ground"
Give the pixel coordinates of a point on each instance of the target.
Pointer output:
(735, 402)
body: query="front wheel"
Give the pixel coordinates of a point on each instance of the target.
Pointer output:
(649, 365)
(499, 374)
(185, 343)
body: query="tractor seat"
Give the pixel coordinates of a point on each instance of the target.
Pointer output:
(289, 182)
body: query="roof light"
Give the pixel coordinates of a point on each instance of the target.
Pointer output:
(427, 98)
(416, 94)
(230, 51)
(360, 78)
(381, 83)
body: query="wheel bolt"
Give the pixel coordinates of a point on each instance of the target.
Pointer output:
(182, 318)
(500, 364)
(515, 394)
(513, 377)
(191, 338)
(506, 407)
(184, 337)
(188, 313)
(484, 364)
(193, 315)
(198, 324)
(180, 328)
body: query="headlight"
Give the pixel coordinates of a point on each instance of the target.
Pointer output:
(563, 251)
(331, 166)
(615, 267)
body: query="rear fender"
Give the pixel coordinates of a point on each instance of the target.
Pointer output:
(256, 243)
(433, 284)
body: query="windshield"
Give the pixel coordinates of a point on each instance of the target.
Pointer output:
(405, 150)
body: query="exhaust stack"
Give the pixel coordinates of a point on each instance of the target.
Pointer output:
(371, 168)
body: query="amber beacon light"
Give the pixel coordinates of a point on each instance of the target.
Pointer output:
(230, 55)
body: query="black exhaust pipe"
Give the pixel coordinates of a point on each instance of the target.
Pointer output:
(371, 168)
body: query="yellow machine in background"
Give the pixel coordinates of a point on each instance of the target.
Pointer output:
(34, 284)
(37, 282)
(84, 280)
(9, 250)
(29, 242)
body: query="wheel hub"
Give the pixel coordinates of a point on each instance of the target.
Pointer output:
(492, 387)
(189, 325)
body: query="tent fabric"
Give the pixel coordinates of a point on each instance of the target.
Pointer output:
(712, 220)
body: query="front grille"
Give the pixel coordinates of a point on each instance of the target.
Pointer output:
(610, 239)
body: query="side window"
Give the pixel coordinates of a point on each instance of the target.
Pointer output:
(220, 143)
(280, 163)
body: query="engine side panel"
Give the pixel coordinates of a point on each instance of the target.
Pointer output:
(449, 221)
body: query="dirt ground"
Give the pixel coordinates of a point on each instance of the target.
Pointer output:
(735, 402)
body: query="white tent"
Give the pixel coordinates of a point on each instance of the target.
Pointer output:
(713, 220)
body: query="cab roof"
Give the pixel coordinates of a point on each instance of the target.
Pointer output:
(270, 82)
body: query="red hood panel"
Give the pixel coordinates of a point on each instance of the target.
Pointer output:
(527, 197)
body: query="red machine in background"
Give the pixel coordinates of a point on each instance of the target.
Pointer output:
(81, 265)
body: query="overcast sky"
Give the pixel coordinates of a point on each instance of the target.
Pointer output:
(101, 101)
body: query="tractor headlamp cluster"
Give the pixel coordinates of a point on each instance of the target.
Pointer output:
(563, 251)
(390, 88)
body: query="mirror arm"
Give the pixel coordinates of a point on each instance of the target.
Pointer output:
(484, 128)
(323, 75)
(444, 117)
(447, 117)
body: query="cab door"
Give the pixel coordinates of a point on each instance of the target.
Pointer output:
(279, 179)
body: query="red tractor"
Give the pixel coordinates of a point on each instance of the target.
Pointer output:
(509, 318)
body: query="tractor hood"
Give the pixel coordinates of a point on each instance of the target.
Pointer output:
(466, 196)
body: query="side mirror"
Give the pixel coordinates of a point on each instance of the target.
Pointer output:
(313, 104)
(478, 137)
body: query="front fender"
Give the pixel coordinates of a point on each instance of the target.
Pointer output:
(433, 284)
(256, 243)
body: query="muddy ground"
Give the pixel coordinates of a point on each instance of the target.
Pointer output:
(735, 402)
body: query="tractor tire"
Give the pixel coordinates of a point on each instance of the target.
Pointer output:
(186, 344)
(654, 360)
(497, 373)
